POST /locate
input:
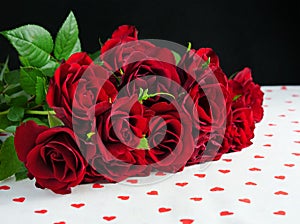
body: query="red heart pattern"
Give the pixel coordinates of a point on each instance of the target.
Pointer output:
(152, 193)
(186, 221)
(124, 198)
(109, 218)
(79, 205)
(42, 211)
(226, 213)
(183, 184)
(21, 199)
(245, 200)
(191, 188)
(162, 210)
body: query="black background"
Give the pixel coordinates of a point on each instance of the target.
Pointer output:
(262, 35)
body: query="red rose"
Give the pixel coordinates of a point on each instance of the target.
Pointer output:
(120, 131)
(51, 156)
(76, 87)
(170, 141)
(122, 34)
(240, 130)
(63, 85)
(248, 93)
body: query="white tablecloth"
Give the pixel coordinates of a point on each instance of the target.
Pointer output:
(260, 184)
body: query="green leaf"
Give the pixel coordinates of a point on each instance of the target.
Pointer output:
(40, 90)
(233, 75)
(36, 120)
(236, 97)
(77, 47)
(143, 144)
(21, 174)
(5, 122)
(49, 68)
(12, 89)
(18, 101)
(177, 57)
(11, 129)
(206, 64)
(12, 77)
(28, 79)
(66, 41)
(94, 55)
(4, 69)
(33, 43)
(9, 162)
(15, 113)
(54, 121)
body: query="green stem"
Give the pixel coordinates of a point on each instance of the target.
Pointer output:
(33, 112)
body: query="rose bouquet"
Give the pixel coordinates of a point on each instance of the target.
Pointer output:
(135, 106)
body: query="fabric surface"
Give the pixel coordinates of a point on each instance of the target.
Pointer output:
(260, 184)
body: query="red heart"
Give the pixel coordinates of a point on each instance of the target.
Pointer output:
(281, 115)
(186, 221)
(224, 213)
(164, 209)
(200, 175)
(298, 142)
(296, 154)
(268, 98)
(283, 88)
(109, 218)
(280, 177)
(160, 174)
(246, 200)
(281, 193)
(224, 171)
(217, 189)
(298, 131)
(269, 135)
(279, 213)
(255, 169)
(292, 110)
(43, 211)
(288, 101)
(78, 205)
(295, 95)
(124, 198)
(258, 157)
(227, 160)
(4, 187)
(272, 124)
(196, 199)
(152, 193)
(251, 183)
(96, 185)
(182, 184)
(295, 122)
(21, 199)
(289, 165)
(269, 90)
(61, 222)
(132, 181)
(267, 145)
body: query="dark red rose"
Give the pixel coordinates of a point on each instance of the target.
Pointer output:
(240, 130)
(122, 34)
(154, 70)
(119, 132)
(77, 86)
(63, 85)
(248, 93)
(51, 156)
(170, 141)
(207, 85)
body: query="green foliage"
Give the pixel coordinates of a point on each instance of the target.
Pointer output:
(9, 162)
(23, 91)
